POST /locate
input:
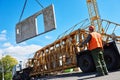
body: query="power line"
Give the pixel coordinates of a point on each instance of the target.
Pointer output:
(23, 10)
(39, 3)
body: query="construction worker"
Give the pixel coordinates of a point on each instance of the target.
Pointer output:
(94, 41)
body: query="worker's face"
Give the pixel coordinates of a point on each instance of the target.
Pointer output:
(90, 31)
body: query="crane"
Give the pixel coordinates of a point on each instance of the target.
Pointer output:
(94, 14)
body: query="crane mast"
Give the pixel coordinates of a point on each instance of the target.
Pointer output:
(94, 14)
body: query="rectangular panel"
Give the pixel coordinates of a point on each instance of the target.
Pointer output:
(49, 18)
(26, 29)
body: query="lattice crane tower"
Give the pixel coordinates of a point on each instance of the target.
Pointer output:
(94, 14)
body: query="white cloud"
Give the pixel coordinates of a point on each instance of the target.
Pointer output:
(19, 52)
(3, 32)
(7, 44)
(3, 35)
(22, 50)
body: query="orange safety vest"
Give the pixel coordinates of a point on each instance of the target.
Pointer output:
(96, 41)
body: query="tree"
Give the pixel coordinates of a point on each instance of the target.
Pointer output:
(8, 63)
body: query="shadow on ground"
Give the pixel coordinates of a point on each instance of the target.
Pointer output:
(83, 76)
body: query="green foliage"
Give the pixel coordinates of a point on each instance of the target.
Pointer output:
(8, 63)
(8, 76)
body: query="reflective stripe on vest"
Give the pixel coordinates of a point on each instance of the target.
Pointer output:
(96, 41)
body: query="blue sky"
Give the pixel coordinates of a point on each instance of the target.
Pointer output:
(67, 12)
